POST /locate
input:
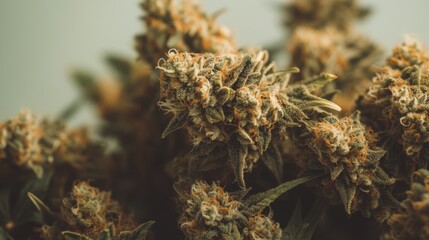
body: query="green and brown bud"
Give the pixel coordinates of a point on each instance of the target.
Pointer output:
(88, 212)
(350, 56)
(346, 150)
(397, 103)
(409, 53)
(25, 142)
(319, 14)
(209, 212)
(413, 222)
(234, 99)
(183, 26)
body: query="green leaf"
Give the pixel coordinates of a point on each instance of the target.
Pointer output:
(176, 123)
(44, 210)
(105, 235)
(84, 80)
(274, 162)
(74, 236)
(4, 235)
(319, 81)
(237, 157)
(24, 207)
(347, 193)
(295, 222)
(258, 202)
(140, 232)
(312, 220)
(71, 110)
(298, 229)
(122, 67)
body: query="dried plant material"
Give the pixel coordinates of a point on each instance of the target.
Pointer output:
(183, 26)
(89, 213)
(413, 222)
(346, 150)
(318, 14)
(397, 104)
(28, 141)
(233, 99)
(25, 142)
(211, 213)
(244, 125)
(409, 53)
(350, 56)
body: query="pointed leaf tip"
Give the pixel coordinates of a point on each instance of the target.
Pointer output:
(176, 123)
(262, 200)
(41, 207)
(293, 70)
(328, 76)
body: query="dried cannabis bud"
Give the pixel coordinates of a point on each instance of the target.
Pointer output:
(184, 26)
(31, 142)
(211, 213)
(319, 14)
(397, 104)
(233, 99)
(347, 55)
(409, 53)
(413, 222)
(88, 213)
(346, 149)
(27, 142)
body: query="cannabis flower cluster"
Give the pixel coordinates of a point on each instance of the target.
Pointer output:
(30, 142)
(88, 213)
(212, 213)
(412, 222)
(202, 139)
(397, 104)
(234, 99)
(209, 212)
(184, 26)
(347, 150)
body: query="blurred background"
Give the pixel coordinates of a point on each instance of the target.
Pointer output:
(43, 41)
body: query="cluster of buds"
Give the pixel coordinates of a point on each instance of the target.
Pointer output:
(400, 93)
(128, 105)
(30, 142)
(184, 26)
(88, 213)
(209, 212)
(319, 14)
(413, 222)
(22, 142)
(349, 56)
(346, 150)
(233, 99)
(323, 39)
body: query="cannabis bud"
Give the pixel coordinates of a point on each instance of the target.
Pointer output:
(413, 222)
(211, 213)
(235, 99)
(319, 14)
(185, 27)
(398, 102)
(346, 149)
(347, 55)
(409, 53)
(27, 142)
(88, 213)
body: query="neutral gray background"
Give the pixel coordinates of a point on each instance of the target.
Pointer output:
(42, 41)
